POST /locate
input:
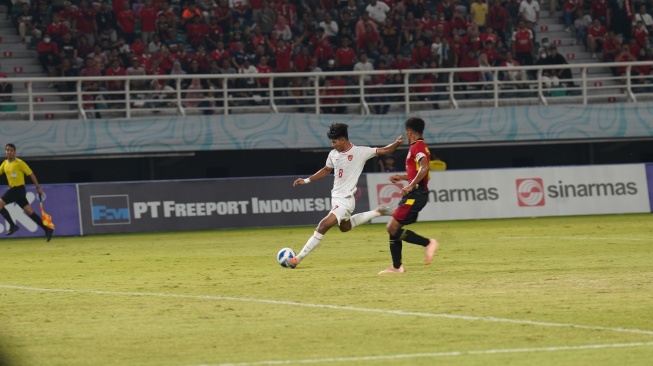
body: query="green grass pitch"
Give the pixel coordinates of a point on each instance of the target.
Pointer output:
(546, 291)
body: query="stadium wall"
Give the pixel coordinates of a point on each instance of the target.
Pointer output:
(61, 138)
(131, 207)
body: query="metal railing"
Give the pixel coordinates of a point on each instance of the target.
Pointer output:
(373, 92)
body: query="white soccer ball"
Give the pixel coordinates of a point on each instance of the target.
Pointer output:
(284, 256)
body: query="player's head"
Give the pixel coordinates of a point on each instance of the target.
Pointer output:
(415, 125)
(339, 136)
(338, 130)
(10, 151)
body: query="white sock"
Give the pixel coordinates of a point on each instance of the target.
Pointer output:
(311, 244)
(363, 217)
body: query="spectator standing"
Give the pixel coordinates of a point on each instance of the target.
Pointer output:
(289, 11)
(410, 27)
(266, 18)
(378, 11)
(106, 22)
(497, 20)
(362, 65)
(420, 56)
(599, 10)
(529, 11)
(568, 13)
(479, 11)
(84, 22)
(148, 17)
(330, 26)
(522, 44)
(427, 27)
(643, 16)
(345, 56)
(127, 20)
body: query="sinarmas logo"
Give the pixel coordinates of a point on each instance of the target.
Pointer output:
(389, 194)
(530, 192)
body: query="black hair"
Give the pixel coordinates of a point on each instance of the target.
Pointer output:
(338, 130)
(416, 124)
(11, 145)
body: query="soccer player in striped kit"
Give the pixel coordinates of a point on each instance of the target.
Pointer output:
(414, 198)
(347, 161)
(16, 169)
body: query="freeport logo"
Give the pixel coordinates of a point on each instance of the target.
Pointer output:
(110, 210)
(389, 194)
(530, 192)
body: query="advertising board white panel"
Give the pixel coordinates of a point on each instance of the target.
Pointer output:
(524, 192)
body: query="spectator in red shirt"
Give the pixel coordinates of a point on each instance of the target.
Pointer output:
(345, 56)
(47, 51)
(640, 33)
(85, 22)
(400, 63)
(56, 29)
(302, 60)
(599, 10)
(595, 35)
(497, 19)
(115, 85)
(127, 19)
(148, 17)
(490, 36)
(611, 47)
(220, 53)
(196, 31)
(289, 11)
(466, 77)
(282, 55)
(522, 44)
(426, 26)
(68, 14)
(491, 53)
(420, 56)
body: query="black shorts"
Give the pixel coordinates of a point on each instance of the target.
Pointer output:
(16, 194)
(410, 206)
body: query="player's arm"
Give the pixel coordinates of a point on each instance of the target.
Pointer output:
(36, 183)
(319, 175)
(398, 177)
(421, 174)
(389, 149)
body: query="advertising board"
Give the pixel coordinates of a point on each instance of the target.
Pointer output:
(204, 204)
(524, 192)
(60, 202)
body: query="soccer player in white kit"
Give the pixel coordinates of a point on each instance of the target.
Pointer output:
(346, 161)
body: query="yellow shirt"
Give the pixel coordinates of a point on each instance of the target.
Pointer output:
(16, 171)
(437, 165)
(479, 12)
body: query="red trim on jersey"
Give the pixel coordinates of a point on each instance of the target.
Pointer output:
(350, 147)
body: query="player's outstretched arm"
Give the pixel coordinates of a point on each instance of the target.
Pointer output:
(389, 149)
(319, 175)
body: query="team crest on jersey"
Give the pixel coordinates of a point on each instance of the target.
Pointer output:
(350, 157)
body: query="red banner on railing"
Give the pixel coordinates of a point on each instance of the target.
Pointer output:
(8, 54)
(18, 69)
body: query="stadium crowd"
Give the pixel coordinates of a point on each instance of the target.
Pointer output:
(159, 37)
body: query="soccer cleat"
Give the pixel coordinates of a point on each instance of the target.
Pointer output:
(12, 229)
(384, 210)
(48, 233)
(293, 262)
(393, 270)
(430, 250)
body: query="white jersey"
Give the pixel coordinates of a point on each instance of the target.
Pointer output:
(347, 167)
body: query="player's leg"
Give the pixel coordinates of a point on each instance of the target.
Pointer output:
(6, 199)
(22, 202)
(396, 247)
(339, 213)
(366, 216)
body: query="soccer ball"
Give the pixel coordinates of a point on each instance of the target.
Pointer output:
(284, 255)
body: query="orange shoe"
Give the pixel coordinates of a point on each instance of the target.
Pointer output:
(293, 262)
(392, 269)
(430, 250)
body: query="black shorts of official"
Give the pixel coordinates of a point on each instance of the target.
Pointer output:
(410, 206)
(16, 194)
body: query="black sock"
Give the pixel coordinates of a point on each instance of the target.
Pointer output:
(395, 252)
(35, 217)
(7, 217)
(413, 238)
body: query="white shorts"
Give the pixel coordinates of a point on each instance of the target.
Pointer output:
(342, 208)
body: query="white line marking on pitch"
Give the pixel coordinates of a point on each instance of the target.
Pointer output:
(339, 307)
(570, 238)
(436, 354)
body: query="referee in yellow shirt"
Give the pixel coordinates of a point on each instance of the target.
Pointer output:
(15, 169)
